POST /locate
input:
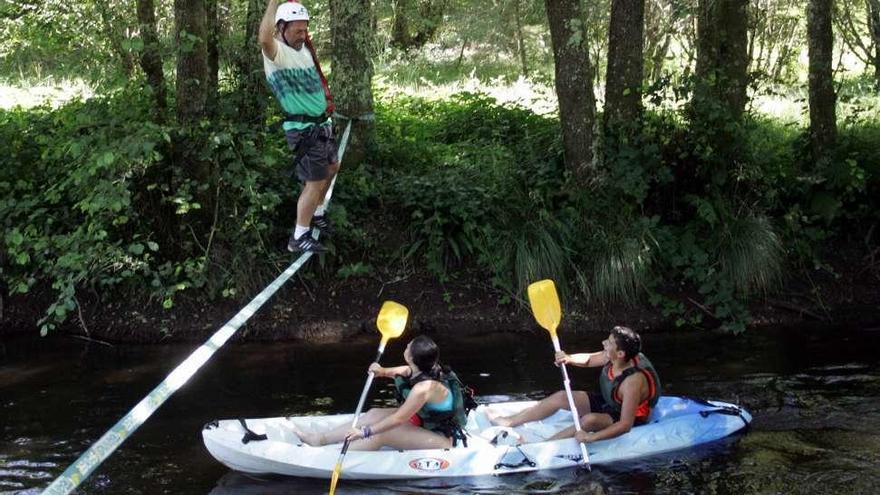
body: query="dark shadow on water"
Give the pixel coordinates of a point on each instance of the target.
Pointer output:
(558, 481)
(640, 476)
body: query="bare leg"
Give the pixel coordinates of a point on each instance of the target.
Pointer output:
(333, 169)
(589, 422)
(336, 435)
(404, 437)
(308, 201)
(546, 407)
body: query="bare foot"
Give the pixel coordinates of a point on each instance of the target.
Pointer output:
(309, 438)
(497, 419)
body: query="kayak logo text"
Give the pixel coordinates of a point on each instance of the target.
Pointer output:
(429, 464)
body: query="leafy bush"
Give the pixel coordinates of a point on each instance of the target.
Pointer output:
(456, 167)
(90, 201)
(94, 196)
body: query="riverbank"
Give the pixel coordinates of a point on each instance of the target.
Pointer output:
(846, 291)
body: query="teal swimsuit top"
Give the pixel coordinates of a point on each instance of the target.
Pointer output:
(445, 406)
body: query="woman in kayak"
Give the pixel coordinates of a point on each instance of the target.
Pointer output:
(629, 388)
(428, 417)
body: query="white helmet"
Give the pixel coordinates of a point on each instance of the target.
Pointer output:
(291, 11)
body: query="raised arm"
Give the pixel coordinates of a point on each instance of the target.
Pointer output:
(383, 372)
(267, 30)
(583, 360)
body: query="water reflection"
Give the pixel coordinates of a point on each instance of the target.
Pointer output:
(560, 481)
(814, 395)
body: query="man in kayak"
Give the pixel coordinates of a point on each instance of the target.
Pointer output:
(629, 387)
(295, 77)
(431, 415)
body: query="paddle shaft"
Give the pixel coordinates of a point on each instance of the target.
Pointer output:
(357, 413)
(574, 412)
(366, 390)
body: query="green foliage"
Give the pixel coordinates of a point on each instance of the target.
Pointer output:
(95, 197)
(456, 167)
(90, 200)
(355, 270)
(59, 38)
(750, 253)
(446, 215)
(532, 247)
(621, 261)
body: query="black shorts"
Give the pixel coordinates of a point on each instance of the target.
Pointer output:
(315, 162)
(598, 405)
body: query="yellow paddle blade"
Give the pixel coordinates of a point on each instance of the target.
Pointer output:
(545, 304)
(392, 319)
(335, 478)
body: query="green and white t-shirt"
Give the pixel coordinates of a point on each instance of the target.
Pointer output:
(295, 82)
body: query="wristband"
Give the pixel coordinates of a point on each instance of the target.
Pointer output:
(366, 431)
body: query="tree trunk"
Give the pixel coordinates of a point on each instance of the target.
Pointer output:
(623, 81)
(874, 27)
(400, 24)
(823, 119)
(574, 84)
(114, 36)
(662, 24)
(353, 48)
(520, 38)
(192, 60)
(722, 55)
(192, 85)
(249, 65)
(719, 97)
(212, 36)
(430, 20)
(151, 57)
(659, 58)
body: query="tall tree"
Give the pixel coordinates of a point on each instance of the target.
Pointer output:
(429, 21)
(249, 67)
(114, 33)
(574, 83)
(862, 38)
(823, 119)
(192, 59)
(660, 27)
(519, 37)
(353, 48)
(400, 36)
(192, 92)
(720, 83)
(623, 80)
(150, 55)
(722, 56)
(874, 25)
(212, 38)
(775, 31)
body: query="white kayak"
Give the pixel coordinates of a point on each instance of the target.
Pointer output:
(270, 446)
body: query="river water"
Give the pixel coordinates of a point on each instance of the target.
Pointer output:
(814, 393)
